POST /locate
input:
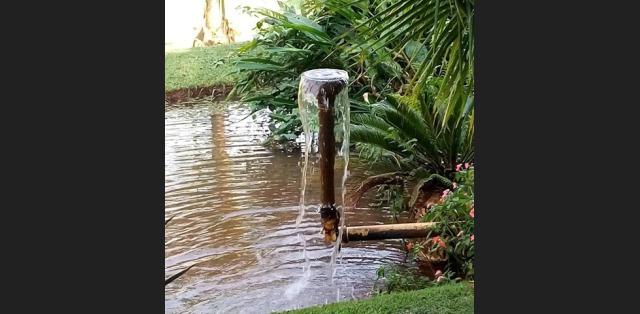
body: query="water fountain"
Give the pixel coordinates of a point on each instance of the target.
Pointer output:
(323, 103)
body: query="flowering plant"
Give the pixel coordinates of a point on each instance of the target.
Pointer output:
(455, 215)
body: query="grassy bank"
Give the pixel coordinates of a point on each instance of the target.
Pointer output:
(451, 298)
(199, 67)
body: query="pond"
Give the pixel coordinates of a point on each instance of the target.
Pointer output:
(235, 204)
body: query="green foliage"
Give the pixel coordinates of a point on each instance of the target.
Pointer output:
(287, 44)
(402, 279)
(455, 298)
(445, 27)
(455, 218)
(403, 46)
(408, 133)
(290, 43)
(390, 195)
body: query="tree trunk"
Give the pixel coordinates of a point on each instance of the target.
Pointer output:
(225, 33)
(207, 34)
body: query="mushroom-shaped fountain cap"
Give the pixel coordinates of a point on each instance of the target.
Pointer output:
(322, 85)
(326, 75)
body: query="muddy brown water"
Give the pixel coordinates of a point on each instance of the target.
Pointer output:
(235, 203)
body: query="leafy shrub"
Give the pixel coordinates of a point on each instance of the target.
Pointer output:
(290, 43)
(396, 278)
(455, 223)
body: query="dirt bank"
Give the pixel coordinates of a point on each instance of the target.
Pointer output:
(186, 96)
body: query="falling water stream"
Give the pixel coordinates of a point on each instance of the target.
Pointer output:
(310, 98)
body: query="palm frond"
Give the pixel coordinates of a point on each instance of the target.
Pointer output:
(408, 121)
(422, 182)
(449, 25)
(376, 137)
(411, 127)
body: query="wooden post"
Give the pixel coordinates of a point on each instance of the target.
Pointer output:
(388, 231)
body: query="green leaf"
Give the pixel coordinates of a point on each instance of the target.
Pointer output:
(259, 64)
(417, 53)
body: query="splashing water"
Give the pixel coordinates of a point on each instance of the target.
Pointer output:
(310, 83)
(342, 115)
(295, 289)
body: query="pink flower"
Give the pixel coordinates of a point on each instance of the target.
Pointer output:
(471, 212)
(455, 185)
(439, 276)
(439, 241)
(445, 193)
(472, 238)
(466, 165)
(458, 167)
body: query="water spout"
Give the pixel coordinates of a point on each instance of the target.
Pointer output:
(323, 101)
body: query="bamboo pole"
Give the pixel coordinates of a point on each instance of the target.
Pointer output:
(388, 231)
(327, 149)
(326, 95)
(325, 85)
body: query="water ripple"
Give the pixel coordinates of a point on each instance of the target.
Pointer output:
(235, 204)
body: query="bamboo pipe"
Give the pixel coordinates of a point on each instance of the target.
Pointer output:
(388, 231)
(329, 215)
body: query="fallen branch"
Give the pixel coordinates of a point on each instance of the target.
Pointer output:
(178, 274)
(395, 178)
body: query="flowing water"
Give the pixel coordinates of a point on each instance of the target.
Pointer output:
(235, 204)
(313, 94)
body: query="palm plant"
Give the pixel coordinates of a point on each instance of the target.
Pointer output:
(446, 28)
(410, 135)
(428, 131)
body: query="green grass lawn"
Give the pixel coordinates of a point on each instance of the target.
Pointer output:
(199, 67)
(450, 298)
